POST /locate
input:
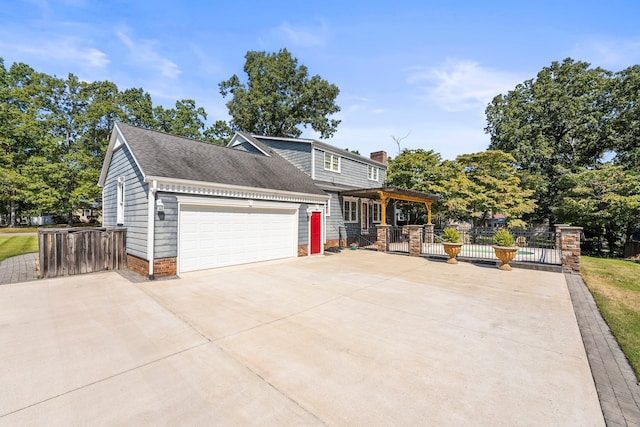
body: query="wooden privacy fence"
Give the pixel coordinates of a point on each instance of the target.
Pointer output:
(68, 251)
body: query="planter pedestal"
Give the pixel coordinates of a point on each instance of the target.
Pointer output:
(505, 254)
(452, 249)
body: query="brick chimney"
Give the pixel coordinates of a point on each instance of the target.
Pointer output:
(379, 156)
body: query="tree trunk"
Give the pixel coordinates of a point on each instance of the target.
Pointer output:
(12, 212)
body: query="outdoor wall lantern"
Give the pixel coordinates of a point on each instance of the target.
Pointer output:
(160, 205)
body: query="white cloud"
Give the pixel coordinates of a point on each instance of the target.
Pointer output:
(608, 53)
(304, 36)
(144, 52)
(356, 105)
(461, 85)
(59, 50)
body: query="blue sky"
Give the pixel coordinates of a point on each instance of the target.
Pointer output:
(425, 69)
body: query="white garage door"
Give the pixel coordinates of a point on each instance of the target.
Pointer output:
(213, 237)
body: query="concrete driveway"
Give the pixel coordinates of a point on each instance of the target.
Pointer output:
(356, 338)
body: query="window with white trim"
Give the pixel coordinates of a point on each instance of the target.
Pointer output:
(331, 162)
(120, 201)
(350, 210)
(376, 212)
(372, 173)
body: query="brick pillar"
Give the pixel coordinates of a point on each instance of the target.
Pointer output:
(415, 239)
(569, 238)
(429, 236)
(382, 238)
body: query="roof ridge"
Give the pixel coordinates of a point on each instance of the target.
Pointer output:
(170, 134)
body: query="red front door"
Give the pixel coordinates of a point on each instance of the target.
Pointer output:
(316, 228)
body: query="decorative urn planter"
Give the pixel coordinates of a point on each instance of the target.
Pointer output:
(505, 254)
(505, 248)
(452, 249)
(452, 243)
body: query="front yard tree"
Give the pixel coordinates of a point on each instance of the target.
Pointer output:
(488, 183)
(421, 170)
(604, 200)
(554, 124)
(626, 122)
(19, 133)
(278, 97)
(416, 170)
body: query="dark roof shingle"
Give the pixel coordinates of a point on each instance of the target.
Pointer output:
(168, 156)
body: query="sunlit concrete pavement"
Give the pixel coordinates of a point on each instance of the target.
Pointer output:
(356, 338)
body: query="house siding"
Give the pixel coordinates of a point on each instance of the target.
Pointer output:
(352, 172)
(246, 146)
(297, 153)
(303, 225)
(166, 227)
(135, 200)
(335, 221)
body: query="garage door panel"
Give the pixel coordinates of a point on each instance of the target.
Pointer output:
(219, 236)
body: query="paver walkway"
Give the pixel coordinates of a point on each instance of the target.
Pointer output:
(616, 384)
(21, 268)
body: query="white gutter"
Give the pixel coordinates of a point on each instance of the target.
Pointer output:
(151, 225)
(313, 161)
(176, 185)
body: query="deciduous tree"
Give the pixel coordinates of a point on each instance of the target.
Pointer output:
(278, 97)
(604, 200)
(554, 124)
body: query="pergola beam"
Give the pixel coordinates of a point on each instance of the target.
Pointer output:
(385, 196)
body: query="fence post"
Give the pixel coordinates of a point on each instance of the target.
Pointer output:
(415, 239)
(383, 233)
(429, 236)
(569, 247)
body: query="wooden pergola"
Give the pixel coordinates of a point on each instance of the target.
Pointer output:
(384, 194)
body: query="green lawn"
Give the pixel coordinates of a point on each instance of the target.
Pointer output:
(615, 286)
(8, 230)
(17, 245)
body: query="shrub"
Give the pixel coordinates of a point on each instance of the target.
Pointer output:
(503, 237)
(451, 235)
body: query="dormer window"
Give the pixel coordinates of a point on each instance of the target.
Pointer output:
(331, 162)
(372, 173)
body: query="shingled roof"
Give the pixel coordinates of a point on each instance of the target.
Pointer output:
(167, 156)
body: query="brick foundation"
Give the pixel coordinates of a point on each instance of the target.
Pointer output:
(162, 267)
(165, 267)
(335, 243)
(302, 250)
(139, 265)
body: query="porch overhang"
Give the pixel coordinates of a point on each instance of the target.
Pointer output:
(384, 194)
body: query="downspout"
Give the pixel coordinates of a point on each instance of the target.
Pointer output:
(151, 224)
(313, 162)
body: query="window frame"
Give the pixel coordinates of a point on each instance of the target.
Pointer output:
(376, 212)
(332, 157)
(373, 173)
(351, 210)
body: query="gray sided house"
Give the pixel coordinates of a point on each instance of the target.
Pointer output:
(189, 205)
(337, 172)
